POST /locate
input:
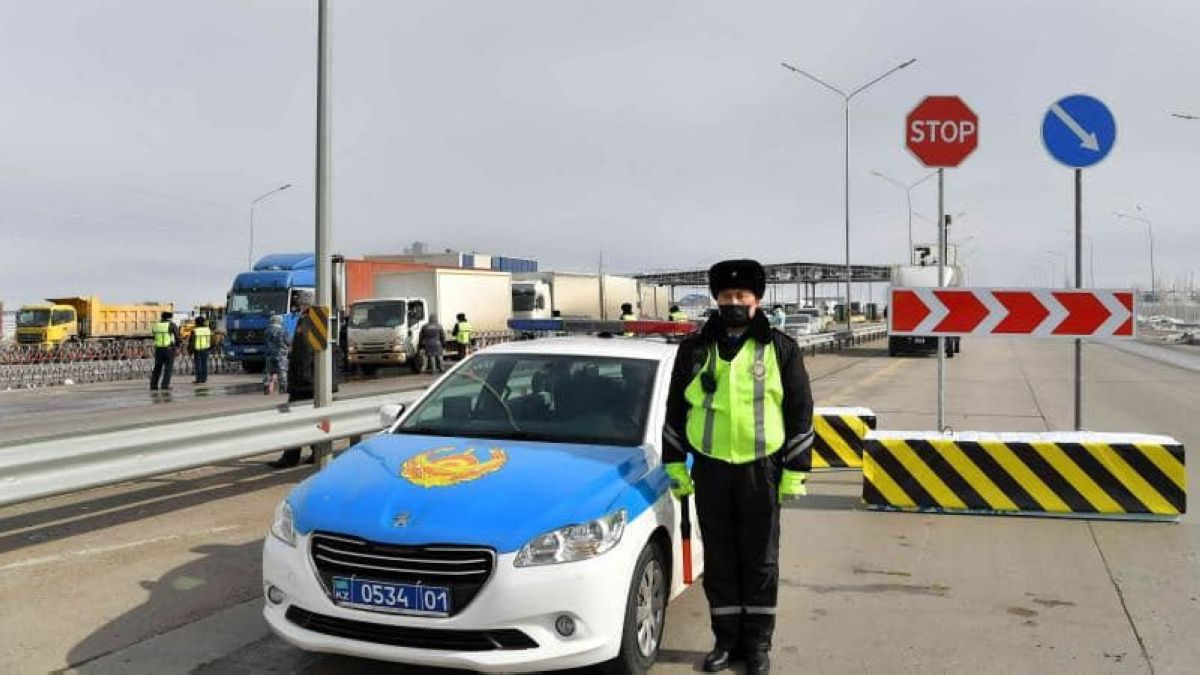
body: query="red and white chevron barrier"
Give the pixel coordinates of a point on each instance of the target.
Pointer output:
(1042, 312)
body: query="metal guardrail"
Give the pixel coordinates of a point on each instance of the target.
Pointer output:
(51, 467)
(62, 465)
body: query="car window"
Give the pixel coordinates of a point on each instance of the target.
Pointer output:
(556, 398)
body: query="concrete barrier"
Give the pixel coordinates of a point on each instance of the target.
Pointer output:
(840, 436)
(1061, 473)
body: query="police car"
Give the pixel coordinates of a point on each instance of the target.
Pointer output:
(515, 518)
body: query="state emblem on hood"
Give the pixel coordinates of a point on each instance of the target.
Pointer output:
(446, 466)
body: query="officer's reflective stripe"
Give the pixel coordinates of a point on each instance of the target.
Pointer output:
(710, 415)
(798, 444)
(760, 610)
(726, 611)
(672, 437)
(742, 609)
(760, 387)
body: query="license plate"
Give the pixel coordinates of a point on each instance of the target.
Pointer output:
(251, 350)
(389, 597)
(918, 341)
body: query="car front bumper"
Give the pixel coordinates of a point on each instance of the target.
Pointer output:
(529, 599)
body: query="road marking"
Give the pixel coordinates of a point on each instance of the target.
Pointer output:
(100, 550)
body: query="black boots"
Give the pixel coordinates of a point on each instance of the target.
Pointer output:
(717, 660)
(758, 662)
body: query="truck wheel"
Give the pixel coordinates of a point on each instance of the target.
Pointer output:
(253, 366)
(645, 616)
(416, 363)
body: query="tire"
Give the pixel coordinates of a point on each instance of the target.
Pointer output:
(416, 363)
(646, 602)
(253, 367)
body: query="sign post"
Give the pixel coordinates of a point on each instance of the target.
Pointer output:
(941, 131)
(1078, 131)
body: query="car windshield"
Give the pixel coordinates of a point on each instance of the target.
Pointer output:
(523, 299)
(259, 302)
(33, 317)
(377, 315)
(553, 398)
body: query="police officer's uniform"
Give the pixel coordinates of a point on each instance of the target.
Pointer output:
(742, 407)
(166, 336)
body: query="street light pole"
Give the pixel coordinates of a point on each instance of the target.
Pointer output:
(846, 98)
(268, 193)
(1150, 232)
(908, 188)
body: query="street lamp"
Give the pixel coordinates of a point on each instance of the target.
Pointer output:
(268, 193)
(846, 98)
(908, 188)
(1150, 232)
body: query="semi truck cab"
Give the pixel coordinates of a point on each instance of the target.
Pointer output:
(278, 284)
(46, 324)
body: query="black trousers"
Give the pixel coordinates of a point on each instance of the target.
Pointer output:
(292, 455)
(164, 365)
(738, 506)
(201, 360)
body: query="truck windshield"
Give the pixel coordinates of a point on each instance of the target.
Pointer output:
(552, 398)
(523, 299)
(259, 302)
(28, 318)
(377, 314)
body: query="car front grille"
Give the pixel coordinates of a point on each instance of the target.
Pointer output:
(247, 336)
(415, 638)
(462, 569)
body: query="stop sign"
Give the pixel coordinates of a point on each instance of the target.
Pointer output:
(941, 131)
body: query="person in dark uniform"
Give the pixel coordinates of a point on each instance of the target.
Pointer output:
(301, 369)
(200, 346)
(740, 404)
(166, 340)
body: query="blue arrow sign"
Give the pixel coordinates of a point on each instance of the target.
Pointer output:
(1079, 131)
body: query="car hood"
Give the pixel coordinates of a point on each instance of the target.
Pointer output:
(409, 489)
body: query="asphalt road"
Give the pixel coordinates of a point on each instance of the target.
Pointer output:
(163, 575)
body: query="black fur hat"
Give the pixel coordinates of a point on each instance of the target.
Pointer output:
(743, 274)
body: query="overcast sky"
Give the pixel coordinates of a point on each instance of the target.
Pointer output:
(135, 133)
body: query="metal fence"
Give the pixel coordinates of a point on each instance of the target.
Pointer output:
(51, 373)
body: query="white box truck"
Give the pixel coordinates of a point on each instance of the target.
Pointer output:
(383, 330)
(618, 291)
(540, 295)
(655, 301)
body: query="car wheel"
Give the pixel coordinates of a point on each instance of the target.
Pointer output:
(645, 616)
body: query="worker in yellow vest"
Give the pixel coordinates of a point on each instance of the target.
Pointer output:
(200, 346)
(740, 404)
(462, 335)
(627, 315)
(166, 337)
(677, 315)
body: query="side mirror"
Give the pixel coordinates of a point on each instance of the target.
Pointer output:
(389, 413)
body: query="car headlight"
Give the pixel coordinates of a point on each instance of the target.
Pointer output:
(574, 542)
(284, 527)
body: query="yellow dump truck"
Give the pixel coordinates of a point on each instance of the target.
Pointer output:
(59, 320)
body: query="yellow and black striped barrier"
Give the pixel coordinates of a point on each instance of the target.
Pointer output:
(1068, 473)
(840, 434)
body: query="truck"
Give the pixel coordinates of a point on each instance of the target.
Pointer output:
(383, 330)
(279, 284)
(543, 295)
(60, 320)
(922, 276)
(654, 301)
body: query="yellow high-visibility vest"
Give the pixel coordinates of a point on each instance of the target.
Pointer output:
(463, 336)
(742, 420)
(678, 317)
(162, 334)
(203, 338)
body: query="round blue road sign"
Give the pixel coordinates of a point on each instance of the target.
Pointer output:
(1079, 131)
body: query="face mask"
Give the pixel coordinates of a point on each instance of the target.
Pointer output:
(735, 316)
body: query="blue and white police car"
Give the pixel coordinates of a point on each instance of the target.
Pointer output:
(515, 518)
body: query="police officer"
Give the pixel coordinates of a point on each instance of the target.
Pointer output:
(279, 346)
(677, 315)
(200, 345)
(166, 337)
(740, 404)
(627, 315)
(462, 335)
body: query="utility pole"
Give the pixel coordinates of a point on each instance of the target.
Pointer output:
(323, 360)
